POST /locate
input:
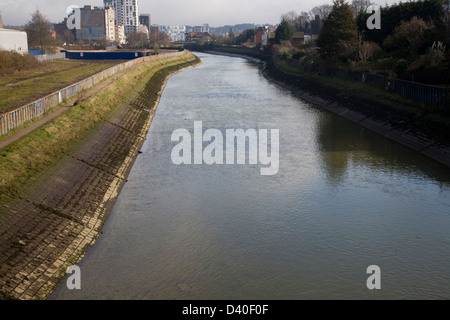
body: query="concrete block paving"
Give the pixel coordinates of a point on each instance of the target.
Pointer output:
(51, 228)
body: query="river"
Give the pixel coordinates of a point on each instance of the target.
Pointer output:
(343, 199)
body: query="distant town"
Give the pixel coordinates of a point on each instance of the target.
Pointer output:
(116, 23)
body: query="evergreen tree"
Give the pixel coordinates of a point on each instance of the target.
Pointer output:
(393, 16)
(284, 32)
(338, 38)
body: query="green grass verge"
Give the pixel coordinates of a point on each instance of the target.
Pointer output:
(353, 89)
(349, 86)
(25, 160)
(22, 87)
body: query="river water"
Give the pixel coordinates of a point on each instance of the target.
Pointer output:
(343, 199)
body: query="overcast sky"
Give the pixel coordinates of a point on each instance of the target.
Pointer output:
(176, 12)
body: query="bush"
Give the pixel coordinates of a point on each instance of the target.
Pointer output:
(434, 55)
(286, 55)
(11, 61)
(385, 63)
(298, 55)
(400, 66)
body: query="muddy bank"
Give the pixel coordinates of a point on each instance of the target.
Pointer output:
(45, 231)
(414, 128)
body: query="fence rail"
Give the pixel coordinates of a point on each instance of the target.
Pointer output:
(430, 95)
(20, 116)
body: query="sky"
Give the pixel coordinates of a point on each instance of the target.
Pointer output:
(216, 13)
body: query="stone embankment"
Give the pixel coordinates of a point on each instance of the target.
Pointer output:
(413, 128)
(52, 227)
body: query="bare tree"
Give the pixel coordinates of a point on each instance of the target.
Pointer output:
(322, 11)
(303, 21)
(137, 40)
(291, 18)
(297, 22)
(158, 38)
(360, 6)
(39, 32)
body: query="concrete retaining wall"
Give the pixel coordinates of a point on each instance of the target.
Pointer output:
(48, 57)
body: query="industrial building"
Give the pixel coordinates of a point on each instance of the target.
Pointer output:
(13, 40)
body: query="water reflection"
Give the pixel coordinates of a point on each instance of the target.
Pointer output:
(342, 143)
(343, 199)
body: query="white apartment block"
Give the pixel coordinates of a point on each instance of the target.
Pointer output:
(126, 14)
(175, 33)
(120, 34)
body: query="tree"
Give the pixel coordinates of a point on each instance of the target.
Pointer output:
(157, 38)
(391, 17)
(231, 36)
(291, 18)
(360, 6)
(338, 38)
(317, 16)
(408, 36)
(39, 34)
(247, 36)
(137, 40)
(367, 50)
(284, 32)
(303, 22)
(316, 24)
(297, 22)
(322, 11)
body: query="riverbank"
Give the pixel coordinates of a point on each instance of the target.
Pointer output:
(417, 127)
(63, 178)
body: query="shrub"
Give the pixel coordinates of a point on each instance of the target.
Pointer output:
(434, 55)
(298, 55)
(400, 66)
(286, 55)
(11, 61)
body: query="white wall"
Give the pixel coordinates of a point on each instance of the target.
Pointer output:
(12, 40)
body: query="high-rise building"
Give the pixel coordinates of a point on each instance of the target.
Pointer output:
(126, 14)
(145, 19)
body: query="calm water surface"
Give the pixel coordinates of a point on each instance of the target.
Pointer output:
(343, 199)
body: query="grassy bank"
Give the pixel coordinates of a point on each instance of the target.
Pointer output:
(349, 86)
(23, 161)
(360, 96)
(380, 104)
(22, 86)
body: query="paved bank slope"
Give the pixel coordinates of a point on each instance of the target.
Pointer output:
(52, 227)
